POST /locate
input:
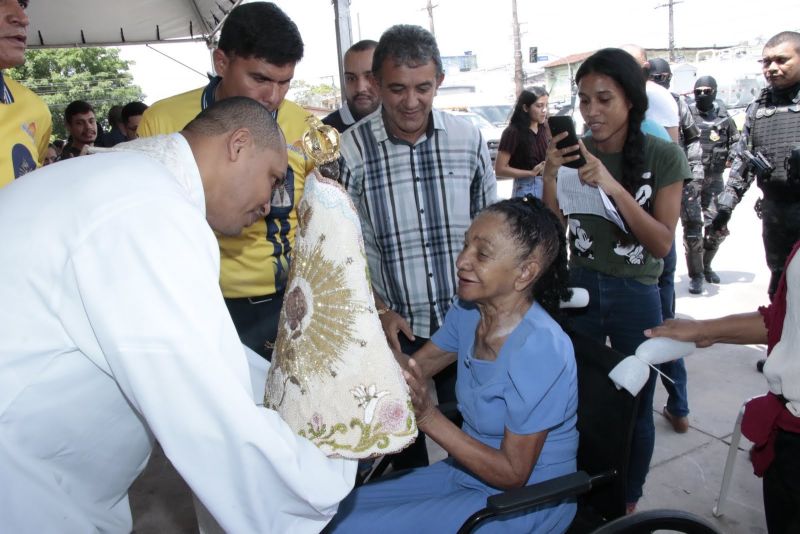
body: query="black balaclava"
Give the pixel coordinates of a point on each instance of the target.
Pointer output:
(660, 72)
(705, 102)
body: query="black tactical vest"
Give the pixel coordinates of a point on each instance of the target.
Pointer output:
(775, 131)
(714, 137)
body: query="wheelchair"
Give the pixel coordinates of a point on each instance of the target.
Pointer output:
(606, 417)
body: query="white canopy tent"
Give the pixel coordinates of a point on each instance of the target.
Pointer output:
(70, 23)
(67, 23)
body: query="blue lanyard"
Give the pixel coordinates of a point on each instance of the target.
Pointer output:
(5, 97)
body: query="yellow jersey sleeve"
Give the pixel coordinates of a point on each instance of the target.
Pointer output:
(171, 114)
(25, 127)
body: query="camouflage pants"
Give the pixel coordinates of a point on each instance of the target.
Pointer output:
(692, 221)
(712, 186)
(698, 209)
(780, 230)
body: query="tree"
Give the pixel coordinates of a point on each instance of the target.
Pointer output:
(61, 75)
(321, 95)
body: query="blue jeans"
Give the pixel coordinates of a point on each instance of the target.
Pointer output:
(533, 185)
(621, 309)
(677, 397)
(666, 284)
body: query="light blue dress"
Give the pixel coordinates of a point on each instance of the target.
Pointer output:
(530, 387)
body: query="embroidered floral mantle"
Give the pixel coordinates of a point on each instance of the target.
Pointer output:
(333, 376)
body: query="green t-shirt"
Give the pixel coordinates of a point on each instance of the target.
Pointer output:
(598, 244)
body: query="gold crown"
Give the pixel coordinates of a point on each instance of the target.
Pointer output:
(320, 142)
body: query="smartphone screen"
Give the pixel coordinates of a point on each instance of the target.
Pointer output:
(563, 123)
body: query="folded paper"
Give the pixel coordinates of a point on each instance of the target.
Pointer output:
(632, 372)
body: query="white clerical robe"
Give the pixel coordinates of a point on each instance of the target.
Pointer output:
(113, 332)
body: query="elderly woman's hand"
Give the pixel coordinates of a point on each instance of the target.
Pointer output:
(424, 409)
(393, 323)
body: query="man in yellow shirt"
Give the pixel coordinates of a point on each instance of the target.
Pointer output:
(25, 121)
(258, 49)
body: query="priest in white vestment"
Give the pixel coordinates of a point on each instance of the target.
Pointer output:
(113, 333)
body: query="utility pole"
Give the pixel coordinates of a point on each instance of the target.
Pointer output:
(518, 74)
(429, 8)
(671, 27)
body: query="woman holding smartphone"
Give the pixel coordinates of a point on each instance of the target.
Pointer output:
(643, 176)
(523, 145)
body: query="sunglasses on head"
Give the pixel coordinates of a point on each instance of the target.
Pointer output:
(703, 91)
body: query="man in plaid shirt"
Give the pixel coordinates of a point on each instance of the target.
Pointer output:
(417, 177)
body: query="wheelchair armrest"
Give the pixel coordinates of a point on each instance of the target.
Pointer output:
(519, 499)
(554, 489)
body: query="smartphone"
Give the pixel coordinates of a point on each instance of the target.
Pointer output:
(564, 123)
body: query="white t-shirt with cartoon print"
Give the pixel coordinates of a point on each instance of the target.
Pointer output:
(597, 243)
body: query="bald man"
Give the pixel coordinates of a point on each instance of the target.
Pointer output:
(115, 333)
(662, 108)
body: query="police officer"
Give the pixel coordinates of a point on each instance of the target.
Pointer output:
(691, 211)
(769, 152)
(718, 135)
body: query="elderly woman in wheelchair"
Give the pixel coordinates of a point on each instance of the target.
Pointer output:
(516, 387)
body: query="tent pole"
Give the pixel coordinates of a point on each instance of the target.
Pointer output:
(344, 35)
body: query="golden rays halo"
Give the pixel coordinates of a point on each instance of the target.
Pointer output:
(318, 319)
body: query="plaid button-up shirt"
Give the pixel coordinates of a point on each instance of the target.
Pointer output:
(415, 203)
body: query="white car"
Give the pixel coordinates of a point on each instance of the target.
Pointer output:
(489, 131)
(497, 114)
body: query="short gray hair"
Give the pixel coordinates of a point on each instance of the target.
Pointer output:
(408, 45)
(237, 112)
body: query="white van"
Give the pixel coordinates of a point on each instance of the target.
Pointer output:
(495, 110)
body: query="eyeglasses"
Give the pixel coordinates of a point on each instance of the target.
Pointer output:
(703, 91)
(661, 77)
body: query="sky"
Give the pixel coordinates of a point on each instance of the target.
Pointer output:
(557, 28)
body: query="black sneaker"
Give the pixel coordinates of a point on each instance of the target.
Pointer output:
(696, 285)
(711, 277)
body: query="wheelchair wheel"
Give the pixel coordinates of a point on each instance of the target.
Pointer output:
(656, 520)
